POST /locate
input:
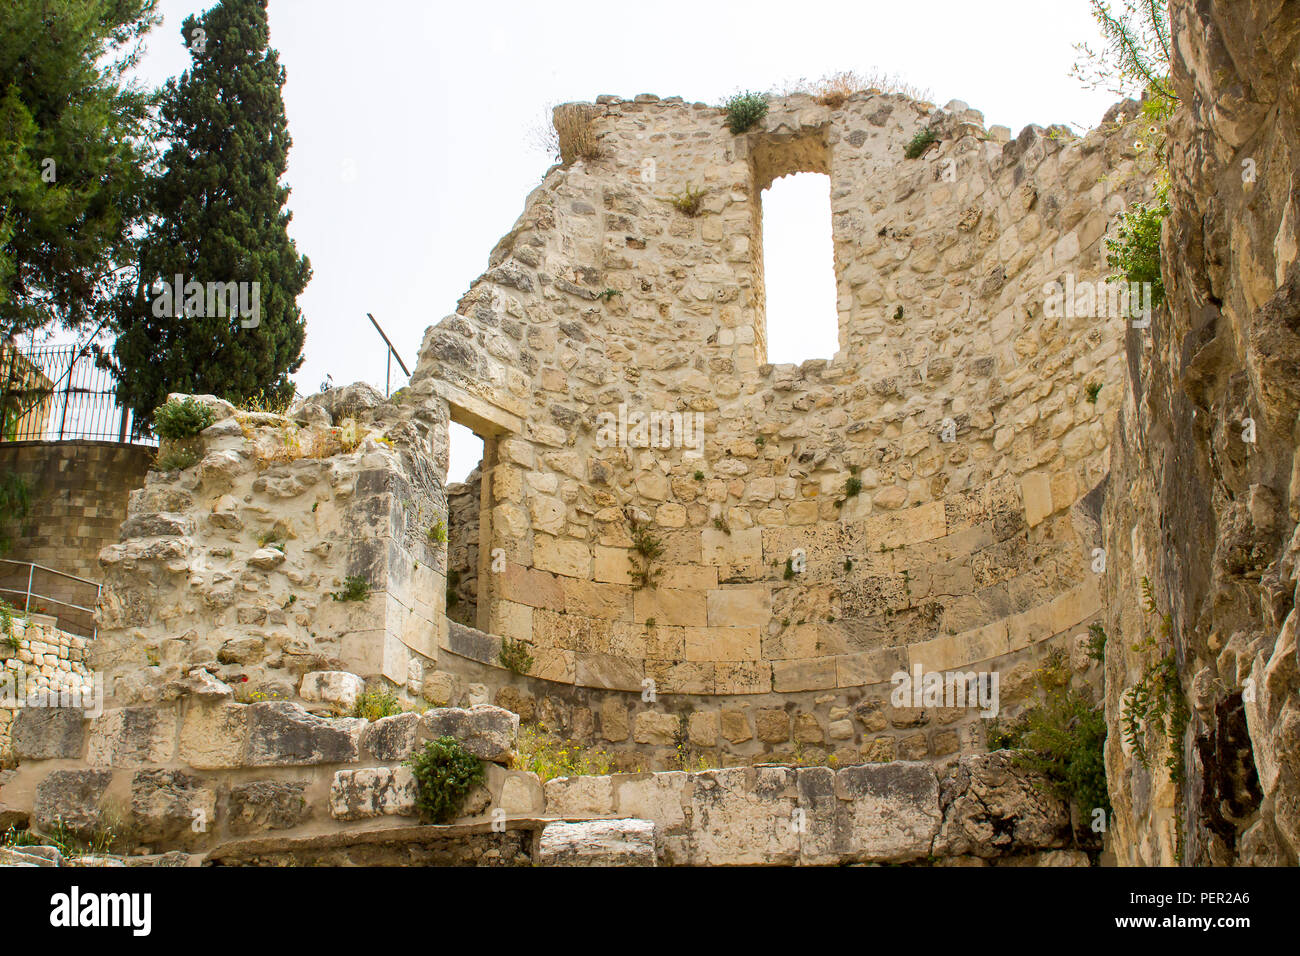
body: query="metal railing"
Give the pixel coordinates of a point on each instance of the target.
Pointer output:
(60, 393)
(35, 589)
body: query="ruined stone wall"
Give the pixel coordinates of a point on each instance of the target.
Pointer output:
(294, 544)
(1203, 512)
(959, 553)
(206, 779)
(462, 548)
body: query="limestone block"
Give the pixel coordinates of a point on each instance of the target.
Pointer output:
(266, 805)
(579, 796)
(48, 733)
(486, 731)
(739, 607)
(212, 736)
(131, 736)
(171, 807)
(722, 643)
(654, 727)
(598, 843)
(992, 808)
(743, 816)
(391, 738)
(521, 794)
(282, 734)
(71, 798)
(893, 810)
(653, 796)
(333, 687)
(373, 792)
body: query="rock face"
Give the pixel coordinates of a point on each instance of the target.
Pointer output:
(1204, 463)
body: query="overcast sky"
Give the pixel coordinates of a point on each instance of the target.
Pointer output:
(411, 120)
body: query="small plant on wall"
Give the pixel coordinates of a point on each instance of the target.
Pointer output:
(647, 547)
(920, 143)
(744, 110)
(445, 773)
(689, 201)
(438, 532)
(514, 656)
(355, 588)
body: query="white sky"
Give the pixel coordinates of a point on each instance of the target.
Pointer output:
(411, 119)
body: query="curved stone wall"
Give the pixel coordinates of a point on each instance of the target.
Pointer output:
(919, 497)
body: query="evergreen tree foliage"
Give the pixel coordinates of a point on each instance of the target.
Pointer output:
(74, 144)
(219, 217)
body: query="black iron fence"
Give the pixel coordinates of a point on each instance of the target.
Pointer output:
(59, 393)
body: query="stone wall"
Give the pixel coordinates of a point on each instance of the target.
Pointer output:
(1207, 516)
(958, 546)
(79, 492)
(38, 663)
(269, 782)
(462, 548)
(296, 543)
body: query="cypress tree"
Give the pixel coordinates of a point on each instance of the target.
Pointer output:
(219, 218)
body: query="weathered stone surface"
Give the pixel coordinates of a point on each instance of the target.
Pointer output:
(171, 807)
(579, 796)
(992, 808)
(282, 734)
(132, 736)
(72, 798)
(486, 731)
(332, 687)
(373, 792)
(894, 809)
(267, 805)
(49, 733)
(598, 843)
(391, 738)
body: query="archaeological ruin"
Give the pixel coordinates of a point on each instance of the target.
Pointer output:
(717, 572)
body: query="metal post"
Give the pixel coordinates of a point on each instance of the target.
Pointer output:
(27, 602)
(67, 396)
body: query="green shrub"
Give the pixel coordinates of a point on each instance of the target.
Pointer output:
(1097, 642)
(514, 656)
(648, 547)
(355, 588)
(438, 532)
(744, 110)
(919, 143)
(1091, 391)
(182, 419)
(445, 773)
(1135, 253)
(176, 457)
(1062, 737)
